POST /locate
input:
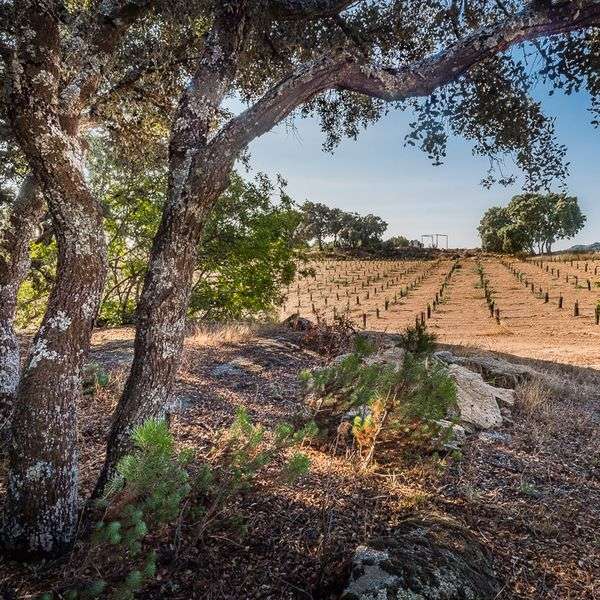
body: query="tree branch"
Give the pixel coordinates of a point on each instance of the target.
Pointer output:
(304, 83)
(210, 83)
(307, 9)
(94, 44)
(137, 73)
(421, 78)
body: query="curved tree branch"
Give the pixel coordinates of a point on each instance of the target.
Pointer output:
(421, 78)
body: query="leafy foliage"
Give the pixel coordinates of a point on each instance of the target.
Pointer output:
(238, 457)
(492, 228)
(248, 251)
(400, 402)
(132, 195)
(490, 105)
(530, 222)
(249, 248)
(417, 340)
(146, 493)
(397, 241)
(34, 291)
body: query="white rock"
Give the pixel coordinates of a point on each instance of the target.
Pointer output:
(452, 436)
(477, 400)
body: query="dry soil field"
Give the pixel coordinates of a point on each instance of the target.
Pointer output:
(390, 295)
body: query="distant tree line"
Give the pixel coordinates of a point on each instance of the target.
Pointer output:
(530, 223)
(334, 228)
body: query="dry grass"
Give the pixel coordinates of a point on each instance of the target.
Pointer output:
(531, 492)
(533, 401)
(218, 334)
(552, 408)
(108, 396)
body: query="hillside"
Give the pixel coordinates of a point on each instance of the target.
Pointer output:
(595, 247)
(527, 491)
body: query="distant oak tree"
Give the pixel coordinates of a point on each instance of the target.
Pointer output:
(154, 75)
(531, 222)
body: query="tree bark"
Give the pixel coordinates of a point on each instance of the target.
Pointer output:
(198, 174)
(161, 312)
(41, 506)
(41, 509)
(15, 240)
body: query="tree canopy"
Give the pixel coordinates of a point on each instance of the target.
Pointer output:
(348, 230)
(531, 222)
(139, 56)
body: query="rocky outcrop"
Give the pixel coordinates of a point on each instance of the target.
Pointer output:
(393, 356)
(498, 371)
(479, 405)
(477, 400)
(425, 558)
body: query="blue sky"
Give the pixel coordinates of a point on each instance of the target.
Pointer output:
(378, 174)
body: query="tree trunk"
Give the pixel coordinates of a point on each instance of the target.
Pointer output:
(161, 311)
(40, 512)
(14, 265)
(41, 507)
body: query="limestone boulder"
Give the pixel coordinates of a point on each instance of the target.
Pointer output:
(452, 436)
(496, 370)
(477, 400)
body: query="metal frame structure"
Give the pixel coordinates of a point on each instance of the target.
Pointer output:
(437, 237)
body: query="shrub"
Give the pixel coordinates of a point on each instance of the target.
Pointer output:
(394, 402)
(330, 339)
(417, 340)
(249, 248)
(236, 460)
(364, 346)
(157, 485)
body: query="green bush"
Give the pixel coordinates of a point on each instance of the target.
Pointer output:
(417, 340)
(157, 485)
(248, 252)
(401, 402)
(237, 459)
(364, 346)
